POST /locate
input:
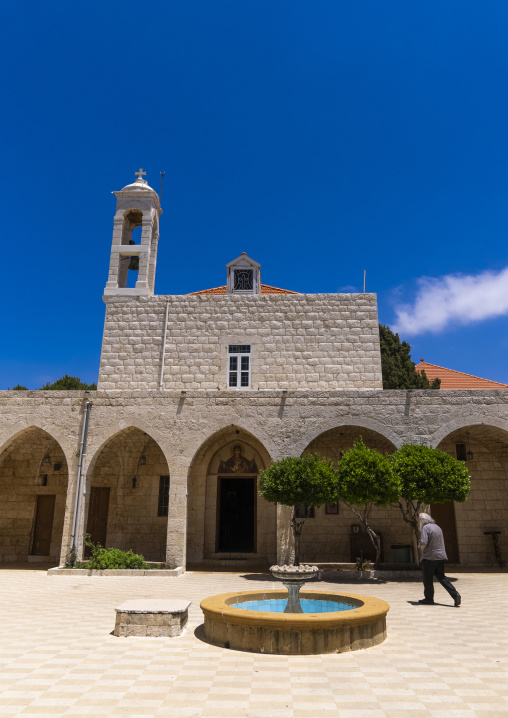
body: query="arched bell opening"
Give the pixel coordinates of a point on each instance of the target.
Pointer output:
(228, 523)
(33, 490)
(128, 267)
(128, 495)
(332, 534)
(468, 526)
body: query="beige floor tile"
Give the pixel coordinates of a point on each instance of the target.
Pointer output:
(60, 659)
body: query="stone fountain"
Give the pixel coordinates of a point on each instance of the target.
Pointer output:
(293, 578)
(275, 621)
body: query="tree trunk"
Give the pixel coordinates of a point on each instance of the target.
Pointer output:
(364, 518)
(376, 542)
(297, 530)
(410, 513)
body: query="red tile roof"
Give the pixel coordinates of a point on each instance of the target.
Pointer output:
(451, 379)
(265, 289)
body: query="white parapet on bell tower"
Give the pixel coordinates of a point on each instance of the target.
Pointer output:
(137, 205)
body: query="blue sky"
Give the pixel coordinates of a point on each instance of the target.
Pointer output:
(322, 138)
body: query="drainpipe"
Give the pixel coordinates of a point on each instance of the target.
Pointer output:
(163, 356)
(79, 481)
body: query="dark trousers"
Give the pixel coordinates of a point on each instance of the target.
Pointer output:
(431, 569)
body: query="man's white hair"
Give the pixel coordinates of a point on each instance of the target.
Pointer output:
(426, 519)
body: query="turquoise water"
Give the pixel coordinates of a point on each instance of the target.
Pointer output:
(309, 605)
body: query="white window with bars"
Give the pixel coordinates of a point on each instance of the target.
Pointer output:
(239, 366)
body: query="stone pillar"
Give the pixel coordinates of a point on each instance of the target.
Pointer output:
(285, 540)
(176, 543)
(114, 264)
(72, 472)
(146, 241)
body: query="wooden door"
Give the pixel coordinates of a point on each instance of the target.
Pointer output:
(444, 516)
(44, 513)
(98, 510)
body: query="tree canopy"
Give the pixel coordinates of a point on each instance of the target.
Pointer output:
(399, 371)
(427, 476)
(297, 480)
(308, 480)
(65, 383)
(69, 383)
(366, 479)
(430, 476)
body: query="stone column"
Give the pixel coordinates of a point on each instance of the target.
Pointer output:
(146, 241)
(176, 543)
(114, 262)
(72, 471)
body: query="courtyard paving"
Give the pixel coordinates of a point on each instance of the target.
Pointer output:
(58, 657)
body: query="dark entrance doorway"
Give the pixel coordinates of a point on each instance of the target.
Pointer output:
(44, 513)
(98, 514)
(236, 515)
(444, 516)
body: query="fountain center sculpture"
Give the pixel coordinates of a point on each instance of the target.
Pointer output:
(293, 578)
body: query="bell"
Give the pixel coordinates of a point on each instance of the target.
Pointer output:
(134, 264)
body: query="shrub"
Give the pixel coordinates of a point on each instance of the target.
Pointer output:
(115, 558)
(104, 558)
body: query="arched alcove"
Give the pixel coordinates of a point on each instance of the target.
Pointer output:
(33, 489)
(327, 535)
(485, 450)
(227, 521)
(128, 494)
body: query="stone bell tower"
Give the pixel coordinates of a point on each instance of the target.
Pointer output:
(137, 205)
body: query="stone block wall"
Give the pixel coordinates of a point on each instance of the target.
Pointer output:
(188, 431)
(133, 521)
(298, 341)
(486, 508)
(33, 466)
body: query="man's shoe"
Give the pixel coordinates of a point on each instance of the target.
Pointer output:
(427, 602)
(457, 600)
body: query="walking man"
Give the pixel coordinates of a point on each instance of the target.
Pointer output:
(432, 561)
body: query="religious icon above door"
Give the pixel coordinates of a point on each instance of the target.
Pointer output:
(238, 464)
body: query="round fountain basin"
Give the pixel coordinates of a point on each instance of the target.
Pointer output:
(362, 625)
(309, 605)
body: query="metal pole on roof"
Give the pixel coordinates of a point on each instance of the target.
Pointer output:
(364, 278)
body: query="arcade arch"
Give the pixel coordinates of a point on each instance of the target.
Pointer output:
(328, 536)
(128, 495)
(33, 490)
(228, 523)
(485, 448)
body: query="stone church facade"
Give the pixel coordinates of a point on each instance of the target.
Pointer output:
(197, 394)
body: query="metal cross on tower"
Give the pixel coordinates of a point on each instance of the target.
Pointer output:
(140, 173)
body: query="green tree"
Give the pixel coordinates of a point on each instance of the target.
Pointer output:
(366, 479)
(69, 383)
(18, 387)
(399, 372)
(308, 480)
(427, 476)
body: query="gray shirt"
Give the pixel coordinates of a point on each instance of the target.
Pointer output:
(433, 543)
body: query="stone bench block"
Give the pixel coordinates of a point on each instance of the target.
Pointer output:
(151, 617)
(153, 573)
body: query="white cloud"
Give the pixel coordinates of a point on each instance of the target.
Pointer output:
(453, 299)
(348, 288)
